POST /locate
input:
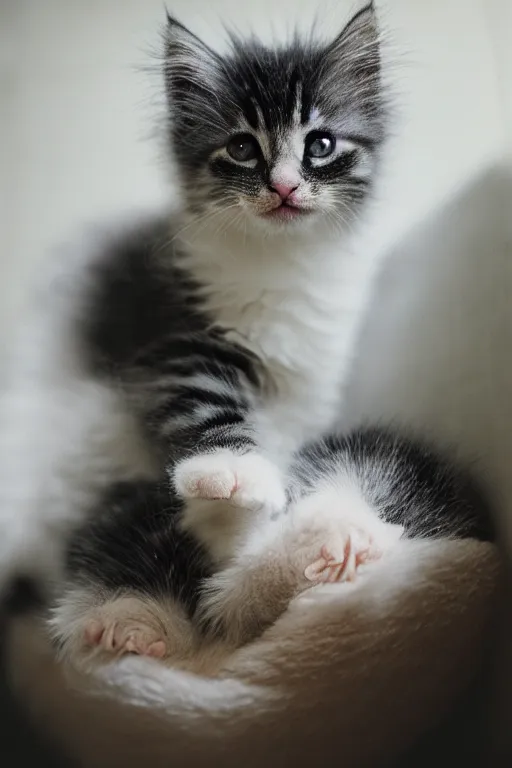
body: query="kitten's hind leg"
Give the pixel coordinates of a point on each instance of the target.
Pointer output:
(133, 578)
(92, 629)
(324, 537)
(352, 532)
(127, 625)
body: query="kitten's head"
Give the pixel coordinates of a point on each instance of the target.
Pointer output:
(276, 137)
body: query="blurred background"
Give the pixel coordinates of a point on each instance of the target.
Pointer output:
(81, 103)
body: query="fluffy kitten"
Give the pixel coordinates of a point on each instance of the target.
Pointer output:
(233, 340)
(230, 340)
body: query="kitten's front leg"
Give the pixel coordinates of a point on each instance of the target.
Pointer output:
(200, 393)
(220, 488)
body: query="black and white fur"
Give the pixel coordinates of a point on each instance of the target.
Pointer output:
(139, 583)
(232, 339)
(226, 339)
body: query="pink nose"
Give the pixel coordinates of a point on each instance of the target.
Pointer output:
(283, 190)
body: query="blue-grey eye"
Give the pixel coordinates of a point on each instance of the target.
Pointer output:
(320, 144)
(243, 147)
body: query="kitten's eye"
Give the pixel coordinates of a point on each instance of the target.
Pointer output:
(320, 145)
(243, 148)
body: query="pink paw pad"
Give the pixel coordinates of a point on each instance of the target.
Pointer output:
(157, 650)
(215, 488)
(117, 639)
(328, 569)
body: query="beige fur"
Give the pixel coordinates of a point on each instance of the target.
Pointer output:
(352, 673)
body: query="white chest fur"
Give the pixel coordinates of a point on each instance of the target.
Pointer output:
(295, 302)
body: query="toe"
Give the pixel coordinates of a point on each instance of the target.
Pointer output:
(94, 633)
(109, 640)
(131, 645)
(157, 649)
(335, 573)
(327, 556)
(315, 570)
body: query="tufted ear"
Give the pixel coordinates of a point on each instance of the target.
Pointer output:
(358, 44)
(195, 83)
(352, 61)
(191, 67)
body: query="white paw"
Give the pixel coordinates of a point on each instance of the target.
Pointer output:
(249, 481)
(333, 533)
(124, 635)
(89, 633)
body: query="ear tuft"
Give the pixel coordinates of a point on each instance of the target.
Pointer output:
(189, 63)
(358, 45)
(351, 64)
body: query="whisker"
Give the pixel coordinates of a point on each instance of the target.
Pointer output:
(202, 220)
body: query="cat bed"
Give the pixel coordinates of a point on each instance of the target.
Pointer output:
(352, 673)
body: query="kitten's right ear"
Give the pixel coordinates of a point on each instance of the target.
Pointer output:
(189, 63)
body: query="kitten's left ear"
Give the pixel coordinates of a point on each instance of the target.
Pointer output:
(353, 57)
(358, 43)
(190, 65)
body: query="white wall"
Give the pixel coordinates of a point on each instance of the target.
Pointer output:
(77, 123)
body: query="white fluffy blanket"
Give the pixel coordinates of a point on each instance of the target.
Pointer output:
(351, 674)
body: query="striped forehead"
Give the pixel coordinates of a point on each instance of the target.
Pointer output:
(276, 112)
(273, 89)
(279, 117)
(284, 137)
